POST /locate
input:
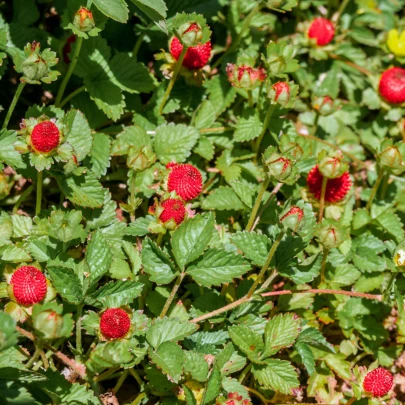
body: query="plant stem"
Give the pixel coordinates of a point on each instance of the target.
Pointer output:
(340, 11)
(71, 95)
(173, 79)
(258, 201)
(34, 358)
(323, 265)
(266, 204)
(138, 44)
(266, 123)
(322, 200)
(389, 286)
(106, 374)
(40, 179)
(266, 264)
(375, 188)
(350, 401)
(22, 198)
(258, 394)
(135, 374)
(324, 291)
(250, 98)
(139, 398)
(120, 381)
(69, 72)
(159, 239)
(13, 104)
(79, 328)
(172, 295)
(269, 280)
(244, 373)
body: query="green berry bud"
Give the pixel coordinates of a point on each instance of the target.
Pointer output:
(391, 157)
(278, 166)
(330, 234)
(84, 20)
(34, 67)
(332, 166)
(191, 34)
(292, 219)
(49, 324)
(140, 159)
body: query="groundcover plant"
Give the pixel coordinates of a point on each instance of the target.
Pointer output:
(202, 202)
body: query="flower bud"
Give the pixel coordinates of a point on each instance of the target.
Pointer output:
(292, 149)
(49, 324)
(391, 157)
(278, 166)
(245, 77)
(325, 105)
(280, 92)
(292, 219)
(332, 166)
(140, 159)
(191, 34)
(330, 234)
(83, 20)
(399, 255)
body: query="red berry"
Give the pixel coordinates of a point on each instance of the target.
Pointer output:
(378, 381)
(173, 209)
(336, 189)
(196, 56)
(322, 30)
(29, 285)
(45, 137)
(185, 180)
(114, 323)
(392, 85)
(279, 88)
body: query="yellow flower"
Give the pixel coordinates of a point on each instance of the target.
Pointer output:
(396, 42)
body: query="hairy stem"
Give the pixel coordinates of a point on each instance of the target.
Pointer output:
(258, 201)
(35, 356)
(250, 98)
(173, 79)
(40, 180)
(79, 328)
(72, 66)
(375, 188)
(322, 200)
(172, 295)
(244, 373)
(266, 264)
(22, 198)
(71, 95)
(266, 123)
(13, 104)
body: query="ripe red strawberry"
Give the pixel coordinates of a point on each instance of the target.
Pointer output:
(336, 189)
(392, 85)
(45, 137)
(378, 382)
(114, 323)
(185, 180)
(29, 285)
(196, 56)
(173, 209)
(322, 30)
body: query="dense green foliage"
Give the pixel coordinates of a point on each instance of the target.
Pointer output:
(259, 286)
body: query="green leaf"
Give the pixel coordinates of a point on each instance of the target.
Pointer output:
(223, 198)
(115, 9)
(169, 330)
(217, 267)
(116, 294)
(15, 374)
(278, 375)
(307, 357)
(250, 342)
(98, 258)
(21, 226)
(361, 218)
(191, 238)
(100, 155)
(107, 96)
(245, 191)
(79, 133)
(8, 333)
(156, 263)
(132, 136)
(8, 154)
(213, 386)
(205, 115)
(338, 364)
(233, 385)
(155, 10)
(281, 331)
(249, 126)
(392, 224)
(130, 75)
(205, 148)
(207, 303)
(13, 393)
(84, 190)
(196, 365)
(313, 337)
(169, 358)
(66, 283)
(254, 246)
(173, 143)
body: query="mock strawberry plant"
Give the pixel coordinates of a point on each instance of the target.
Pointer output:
(202, 202)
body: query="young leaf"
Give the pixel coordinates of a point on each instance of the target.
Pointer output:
(66, 283)
(169, 358)
(250, 342)
(255, 246)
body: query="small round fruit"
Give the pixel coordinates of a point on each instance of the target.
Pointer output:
(28, 285)
(45, 137)
(114, 323)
